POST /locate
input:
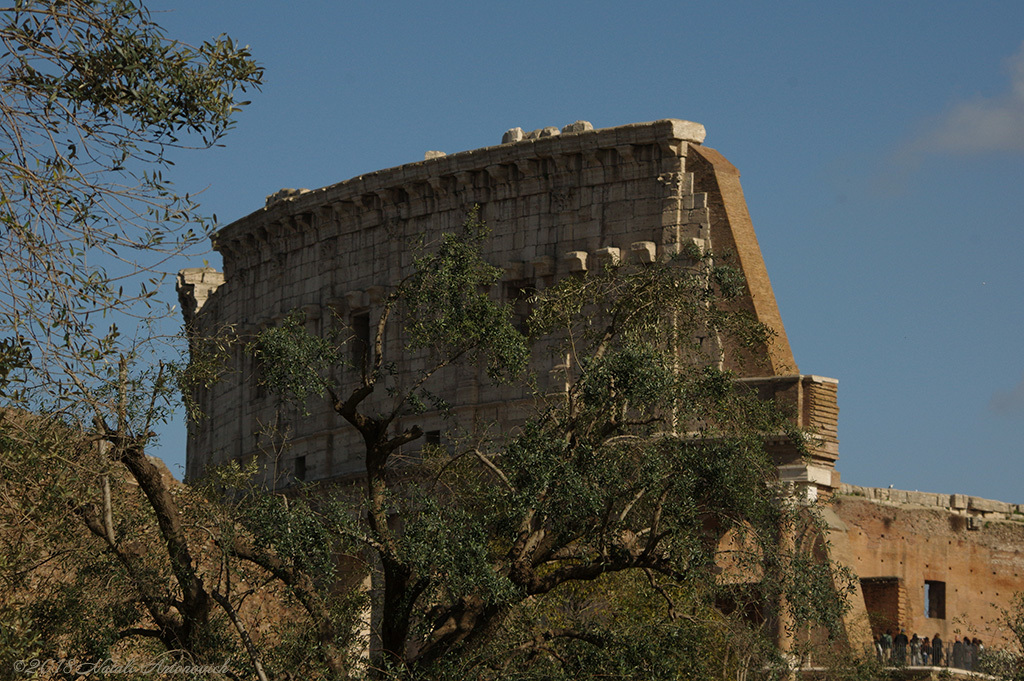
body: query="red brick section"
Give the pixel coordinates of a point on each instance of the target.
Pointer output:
(980, 562)
(732, 230)
(885, 599)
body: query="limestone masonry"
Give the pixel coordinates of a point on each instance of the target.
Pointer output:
(558, 202)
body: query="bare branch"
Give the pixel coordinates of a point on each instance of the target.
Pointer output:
(494, 468)
(108, 514)
(243, 634)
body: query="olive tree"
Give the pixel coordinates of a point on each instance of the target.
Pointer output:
(630, 529)
(94, 99)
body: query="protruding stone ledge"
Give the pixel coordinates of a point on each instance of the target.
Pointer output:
(644, 251)
(575, 261)
(608, 256)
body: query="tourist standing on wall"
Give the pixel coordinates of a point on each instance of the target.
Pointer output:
(958, 654)
(915, 650)
(899, 646)
(926, 651)
(937, 651)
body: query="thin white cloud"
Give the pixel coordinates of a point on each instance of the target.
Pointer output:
(981, 125)
(1009, 402)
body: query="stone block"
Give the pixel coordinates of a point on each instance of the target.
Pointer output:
(987, 505)
(430, 155)
(578, 126)
(512, 135)
(540, 133)
(513, 271)
(688, 131)
(698, 216)
(543, 266)
(312, 312)
(921, 498)
(643, 251)
(608, 256)
(357, 300)
(958, 501)
(670, 250)
(575, 261)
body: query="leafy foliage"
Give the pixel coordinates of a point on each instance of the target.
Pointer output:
(631, 529)
(1008, 663)
(289, 359)
(446, 308)
(94, 101)
(93, 97)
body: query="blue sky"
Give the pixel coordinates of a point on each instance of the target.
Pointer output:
(881, 147)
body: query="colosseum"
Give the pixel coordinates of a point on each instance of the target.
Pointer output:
(560, 202)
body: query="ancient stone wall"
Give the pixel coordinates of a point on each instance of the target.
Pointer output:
(558, 203)
(934, 562)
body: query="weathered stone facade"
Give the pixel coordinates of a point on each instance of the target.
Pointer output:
(558, 203)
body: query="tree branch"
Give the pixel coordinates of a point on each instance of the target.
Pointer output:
(250, 648)
(308, 596)
(494, 468)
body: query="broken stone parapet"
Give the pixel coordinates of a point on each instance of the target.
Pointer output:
(578, 126)
(195, 285)
(549, 131)
(512, 135)
(282, 194)
(959, 503)
(525, 164)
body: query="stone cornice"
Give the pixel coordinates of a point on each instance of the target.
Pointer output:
(464, 177)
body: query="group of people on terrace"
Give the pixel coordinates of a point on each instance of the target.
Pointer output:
(899, 650)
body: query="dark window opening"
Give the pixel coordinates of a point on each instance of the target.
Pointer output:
(882, 597)
(300, 468)
(431, 442)
(935, 599)
(257, 377)
(360, 339)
